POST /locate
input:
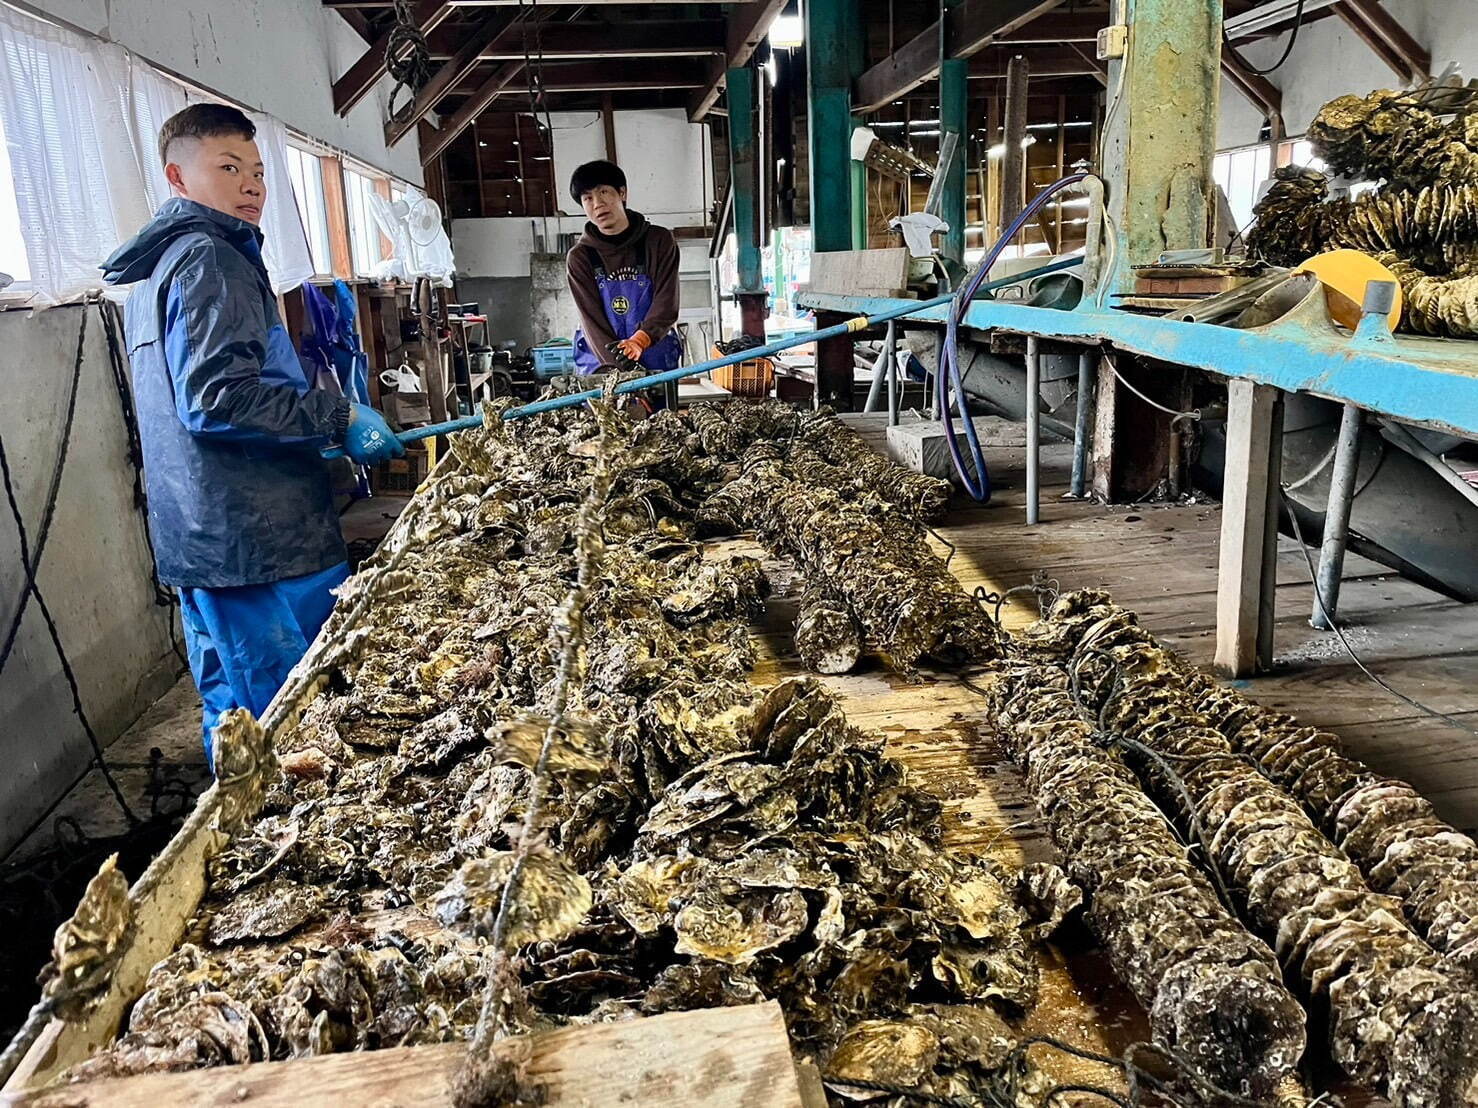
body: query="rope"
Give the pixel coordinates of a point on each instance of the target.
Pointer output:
(407, 54)
(30, 564)
(568, 631)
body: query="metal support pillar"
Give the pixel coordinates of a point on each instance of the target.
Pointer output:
(1033, 429)
(830, 57)
(954, 100)
(1249, 529)
(744, 178)
(1337, 518)
(1086, 377)
(1013, 160)
(895, 392)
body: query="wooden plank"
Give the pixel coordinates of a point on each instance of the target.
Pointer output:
(861, 272)
(710, 1058)
(1244, 599)
(159, 924)
(435, 140)
(336, 207)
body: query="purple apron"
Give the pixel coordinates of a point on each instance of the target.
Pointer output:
(626, 296)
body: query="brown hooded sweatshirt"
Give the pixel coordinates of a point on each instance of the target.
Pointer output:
(618, 252)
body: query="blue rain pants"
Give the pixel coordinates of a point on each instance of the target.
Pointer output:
(244, 640)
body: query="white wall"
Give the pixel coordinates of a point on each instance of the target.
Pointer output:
(276, 56)
(1329, 60)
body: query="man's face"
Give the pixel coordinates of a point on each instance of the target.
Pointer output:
(223, 172)
(606, 208)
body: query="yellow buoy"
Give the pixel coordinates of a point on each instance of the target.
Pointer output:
(1344, 275)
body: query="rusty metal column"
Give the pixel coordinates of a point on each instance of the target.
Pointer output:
(744, 173)
(1160, 128)
(1159, 139)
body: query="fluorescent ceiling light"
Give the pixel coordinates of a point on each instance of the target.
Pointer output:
(787, 32)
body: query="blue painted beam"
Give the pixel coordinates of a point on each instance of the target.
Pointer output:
(829, 56)
(1432, 382)
(744, 175)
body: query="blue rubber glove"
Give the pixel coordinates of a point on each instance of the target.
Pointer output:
(369, 440)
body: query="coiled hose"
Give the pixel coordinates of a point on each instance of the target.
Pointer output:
(949, 359)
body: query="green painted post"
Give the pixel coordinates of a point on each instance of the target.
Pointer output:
(829, 60)
(744, 174)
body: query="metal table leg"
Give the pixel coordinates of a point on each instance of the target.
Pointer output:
(1337, 518)
(1080, 426)
(1033, 428)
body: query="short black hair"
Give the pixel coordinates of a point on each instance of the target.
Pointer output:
(592, 175)
(204, 120)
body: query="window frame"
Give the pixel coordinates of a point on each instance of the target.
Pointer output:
(306, 163)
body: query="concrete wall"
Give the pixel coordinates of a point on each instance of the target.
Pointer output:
(94, 569)
(1329, 60)
(277, 56)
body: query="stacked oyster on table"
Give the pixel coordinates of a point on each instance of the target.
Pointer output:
(700, 842)
(1421, 220)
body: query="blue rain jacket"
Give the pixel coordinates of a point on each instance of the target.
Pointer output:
(231, 427)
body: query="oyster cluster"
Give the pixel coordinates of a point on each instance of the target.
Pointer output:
(1214, 992)
(1385, 826)
(700, 843)
(1402, 1018)
(1422, 222)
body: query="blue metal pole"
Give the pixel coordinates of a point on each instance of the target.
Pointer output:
(637, 384)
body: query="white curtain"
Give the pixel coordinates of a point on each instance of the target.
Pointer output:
(81, 121)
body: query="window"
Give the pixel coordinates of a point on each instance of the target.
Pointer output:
(12, 246)
(307, 177)
(364, 232)
(1240, 173)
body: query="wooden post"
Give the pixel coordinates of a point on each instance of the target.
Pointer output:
(431, 353)
(608, 118)
(1013, 161)
(336, 208)
(1249, 529)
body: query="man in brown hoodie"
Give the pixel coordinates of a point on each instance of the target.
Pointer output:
(623, 275)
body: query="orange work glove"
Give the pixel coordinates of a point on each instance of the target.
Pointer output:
(635, 346)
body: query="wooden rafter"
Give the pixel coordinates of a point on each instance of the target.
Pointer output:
(748, 25)
(969, 27)
(1384, 34)
(647, 39)
(495, 27)
(360, 77)
(620, 74)
(1263, 93)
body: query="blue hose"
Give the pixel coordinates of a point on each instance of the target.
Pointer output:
(949, 361)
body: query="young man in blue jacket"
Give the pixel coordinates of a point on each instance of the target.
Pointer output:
(241, 505)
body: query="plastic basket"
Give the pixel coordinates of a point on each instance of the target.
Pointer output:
(402, 475)
(752, 378)
(553, 360)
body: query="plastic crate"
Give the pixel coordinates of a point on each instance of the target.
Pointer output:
(752, 378)
(402, 475)
(553, 360)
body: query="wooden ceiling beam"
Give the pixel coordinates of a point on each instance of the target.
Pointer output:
(1384, 34)
(969, 28)
(748, 25)
(497, 26)
(1258, 89)
(360, 77)
(652, 39)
